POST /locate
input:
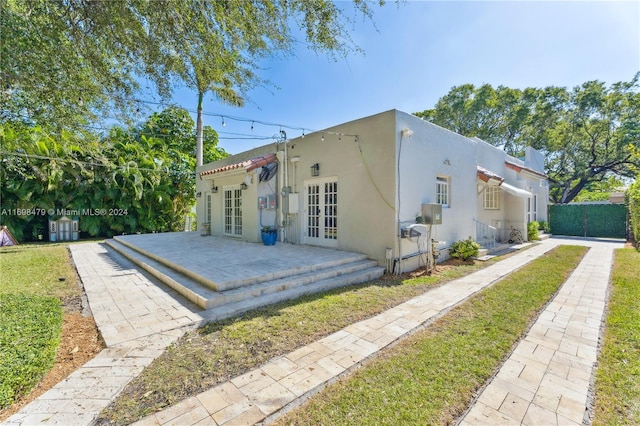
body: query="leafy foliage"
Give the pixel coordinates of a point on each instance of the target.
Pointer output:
(71, 59)
(139, 179)
(633, 197)
(464, 249)
(589, 134)
(544, 226)
(532, 231)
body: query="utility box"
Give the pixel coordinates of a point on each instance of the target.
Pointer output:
(432, 214)
(262, 203)
(271, 201)
(294, 206)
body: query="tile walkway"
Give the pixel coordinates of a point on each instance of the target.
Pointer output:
(547, 378)
(559, 352)
(137, 320)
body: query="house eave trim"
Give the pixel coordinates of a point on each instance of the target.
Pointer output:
(239, 168)
(489, 177)
(525, 170)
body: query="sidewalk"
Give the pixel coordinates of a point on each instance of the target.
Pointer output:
(140, 320)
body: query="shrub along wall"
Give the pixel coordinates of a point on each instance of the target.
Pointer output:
(589, 220)
(633, 201)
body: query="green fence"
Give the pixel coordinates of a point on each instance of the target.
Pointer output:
(589, 220)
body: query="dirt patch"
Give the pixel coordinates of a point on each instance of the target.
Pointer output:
(80, 341)
(439, 269)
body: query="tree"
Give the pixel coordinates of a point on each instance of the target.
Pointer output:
(144, 174)
(67, 50)
(589, 134)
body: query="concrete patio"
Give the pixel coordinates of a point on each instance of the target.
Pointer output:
(234, 276)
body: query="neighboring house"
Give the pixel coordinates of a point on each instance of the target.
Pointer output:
(359, 186)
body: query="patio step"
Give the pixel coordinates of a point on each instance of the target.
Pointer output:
(226, 303)
(192, 290)
(241, 282)
(240, 307)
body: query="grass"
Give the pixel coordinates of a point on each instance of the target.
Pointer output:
(31, 294)
(226, 349)
(36, 269)
(617, 386)
(29, 337)
(431, 377)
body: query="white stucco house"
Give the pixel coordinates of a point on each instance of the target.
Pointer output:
(363, 185)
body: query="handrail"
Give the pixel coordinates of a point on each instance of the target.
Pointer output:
(485, 234)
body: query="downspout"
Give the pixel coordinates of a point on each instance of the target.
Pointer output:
(285, 220)
(399, 228)
(408, 133)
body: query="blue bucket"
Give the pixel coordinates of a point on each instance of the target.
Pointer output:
(269, 237)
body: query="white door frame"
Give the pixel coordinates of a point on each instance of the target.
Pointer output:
(232, 212)
(320, 222)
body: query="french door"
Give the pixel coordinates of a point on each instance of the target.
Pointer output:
(321, 212)
(233, 210)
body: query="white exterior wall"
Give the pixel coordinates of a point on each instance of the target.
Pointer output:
(364, 171)
(250, 213)
(368, 158)
(432, 152)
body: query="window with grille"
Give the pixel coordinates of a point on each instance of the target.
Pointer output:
(442, 191)
(492, 198)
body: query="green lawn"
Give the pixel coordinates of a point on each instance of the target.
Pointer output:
(31, 291)
(431, 377)
(617, 400)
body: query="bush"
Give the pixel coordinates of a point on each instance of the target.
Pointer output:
(464, 249)
(544, 226)
(633, 201)
(532, 231)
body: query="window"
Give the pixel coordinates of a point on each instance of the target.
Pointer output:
(208, 215)
(492, 198)
(532, 209)
(442, 191)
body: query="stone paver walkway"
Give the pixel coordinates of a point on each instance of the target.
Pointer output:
(546, 379)
(258, 394)
(138, 320)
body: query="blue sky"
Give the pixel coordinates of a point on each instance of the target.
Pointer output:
(421, 49)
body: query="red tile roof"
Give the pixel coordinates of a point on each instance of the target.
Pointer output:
(486, 175)
(518, 168)
(247, 165)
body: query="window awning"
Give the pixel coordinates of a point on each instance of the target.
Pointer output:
(246, 165)
(513, 190)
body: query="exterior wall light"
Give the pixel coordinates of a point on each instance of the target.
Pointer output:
(214, 189)
(315, 170)
(244, 186)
